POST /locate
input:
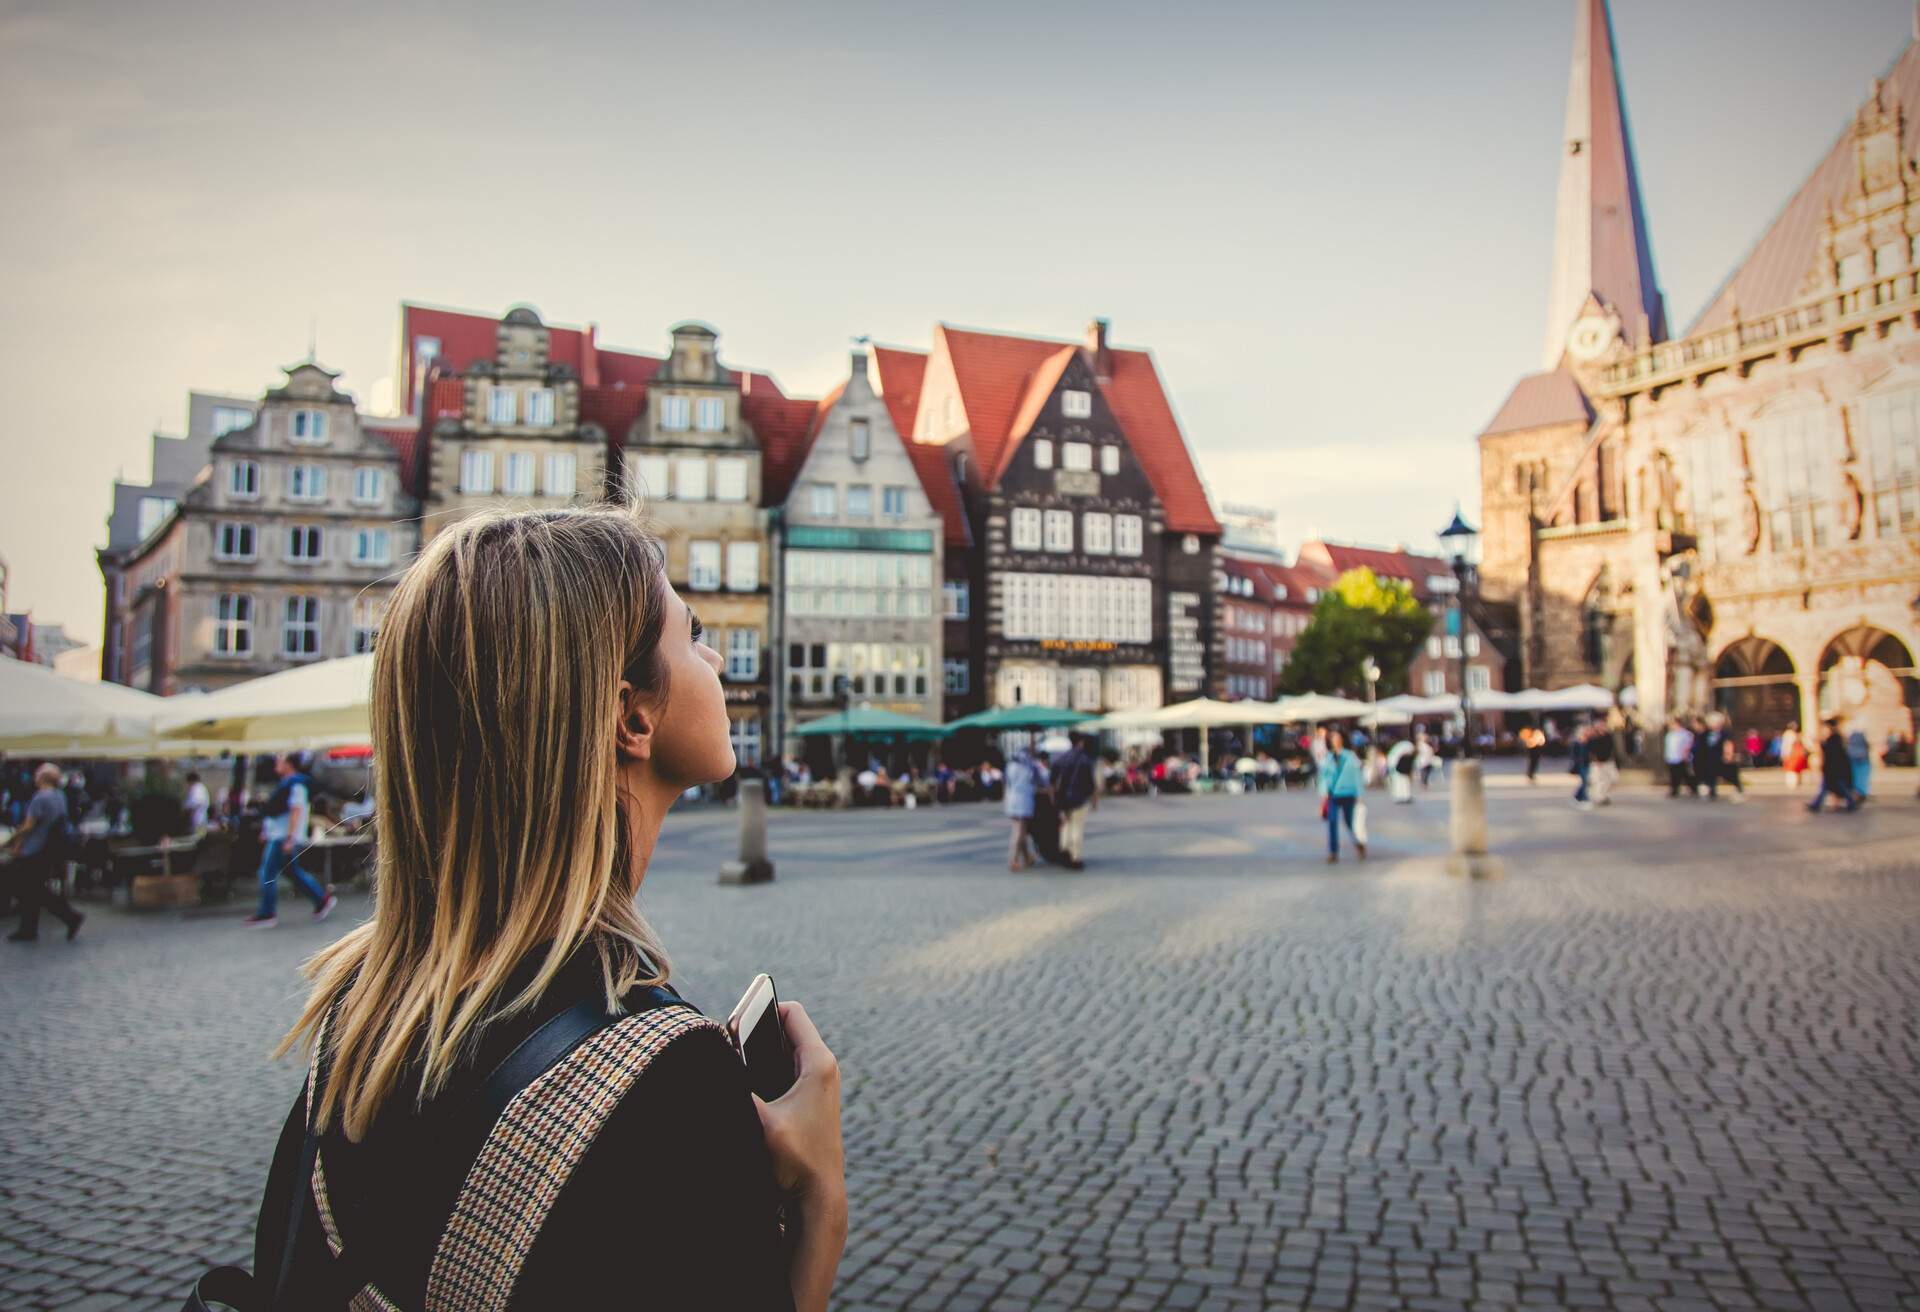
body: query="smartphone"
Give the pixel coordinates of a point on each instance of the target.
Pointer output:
(761, 1040)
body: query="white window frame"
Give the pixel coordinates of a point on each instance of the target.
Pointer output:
(1110, 459)
(957, 675)
(956, 599)
(676, 412)
(1076, 456)
(540, 407)
(230, 419)
(691, 478)
(236, 527)
(503, 406)
(476, 462)
(516, 479)
(1433, 683)
(372, 546)
(1075, 404)
(710, 414)
(369, 485)
(306, 534)
(368, 614)
(743, 655)
(893, 503)
(1479, 679)
(1042, 453)
(243, 480)
(729, 478)
(703, 565)
(654, 472)
(743, 566)
(1129, 535)
(1096, 533)
(307, 428)
(1025, 529)
(233, 624)
(859, 438)
(823, 499)
(300, 614)
(1059, 531)
(306, 483)
(860, 501)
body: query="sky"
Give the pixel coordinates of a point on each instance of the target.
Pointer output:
(1330, 220)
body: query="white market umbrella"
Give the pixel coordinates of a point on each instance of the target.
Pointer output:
(1313, 707)
(1581, 697)
(42, 712)
(318, 705)
(1408, 704)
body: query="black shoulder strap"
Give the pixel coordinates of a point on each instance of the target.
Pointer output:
(552, 1042)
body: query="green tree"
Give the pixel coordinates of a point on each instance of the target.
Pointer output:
(1361, 615)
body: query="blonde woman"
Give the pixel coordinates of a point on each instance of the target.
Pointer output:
(540, 697)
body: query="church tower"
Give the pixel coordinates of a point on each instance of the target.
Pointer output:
(1602, 262)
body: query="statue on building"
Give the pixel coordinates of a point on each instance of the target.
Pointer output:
(1687, 688)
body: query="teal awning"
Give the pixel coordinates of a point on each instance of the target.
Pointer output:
(1019, 717)
(866, 722)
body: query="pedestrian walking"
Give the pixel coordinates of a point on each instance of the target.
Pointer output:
(1836, 770)
(1340, 783)
(1677, 749)
(1860, 753)
(1425, 759)
(1580, 764)
(1603, 753)
(39, 849)
(283, 835)
(1730, 767)
(1022, 782)
(1076, 792)
(1400, 764)
(1703, 759)
(504, 1025)
(1793, 756)
(1534, 742)
(197, 803)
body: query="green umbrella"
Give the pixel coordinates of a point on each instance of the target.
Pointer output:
(867, 722)
(1018, 717)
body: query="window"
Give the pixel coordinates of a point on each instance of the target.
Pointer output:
(503, 406)
(1796, 463)
(690, 478)
(743, 654)
(563, 474)
(673, 414)
(859, 501)
(1853, 269)
(1190, 544)
(306, 482)
(822, 499)
(703, 566)
(1477, 680)
(300, 635)
(859, 440)
(243, 479)
(710, 414)
(519, 476)
(367, 614)
(372, 546)
(233, 542)
(153, 513)
(743, 566)
(476, 472)
(309, 427)
(1042, 453)
(1026, 529)
(540, 407)
(1473, 644)
(1433, 648)
(1096, 533)
(893, 503)
(1085, 690)
(233, 624)
(1127, 536)
(230, 418)
(1893, 457)
(1076, 456)
(729, 478)
(1451, 646)
(746, 742)
(1433, 683)
(1109, 459)
(1077, 607)
(1059, 530)
(956, 599)
(1076, 405)
(956, 677)
(303, 543)
(369, 485)
(652, 472)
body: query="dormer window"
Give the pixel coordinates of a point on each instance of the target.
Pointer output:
(1076, 405)
(502, 406)
(674, 413)
(710, 416)
(1042, 453)
(309, 427)
(540, 407)
(1109, 459)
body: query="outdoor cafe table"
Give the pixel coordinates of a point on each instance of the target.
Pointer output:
(328, 844)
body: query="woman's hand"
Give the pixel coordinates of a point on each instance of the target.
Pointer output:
(802, 1125)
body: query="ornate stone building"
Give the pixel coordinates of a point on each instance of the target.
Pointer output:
(283, 550)
(1729, 516)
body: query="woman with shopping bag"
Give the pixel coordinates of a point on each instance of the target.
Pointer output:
(1340, 783)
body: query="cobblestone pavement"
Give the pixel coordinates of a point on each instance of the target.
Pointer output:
(1671, 1061)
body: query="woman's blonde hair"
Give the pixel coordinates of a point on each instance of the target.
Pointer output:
(496, 685)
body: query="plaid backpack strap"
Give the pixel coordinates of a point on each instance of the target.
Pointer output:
(532, 1150)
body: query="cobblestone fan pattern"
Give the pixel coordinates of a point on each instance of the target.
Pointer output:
(1671, 1061)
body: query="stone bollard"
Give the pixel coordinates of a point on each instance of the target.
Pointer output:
(1469, 824)
(752, 867)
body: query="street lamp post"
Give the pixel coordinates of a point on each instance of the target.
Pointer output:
(1370, 671)
(1458, 538)
(1468, 817)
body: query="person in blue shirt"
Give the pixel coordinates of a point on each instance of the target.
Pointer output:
(1339, 782)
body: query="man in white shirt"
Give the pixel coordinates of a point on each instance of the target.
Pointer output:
(283, 835)
(1676, 749)
(199, 800)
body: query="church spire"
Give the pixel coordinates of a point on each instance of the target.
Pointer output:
(1600, 246)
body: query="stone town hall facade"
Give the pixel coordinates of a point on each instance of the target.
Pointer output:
(1728, 515)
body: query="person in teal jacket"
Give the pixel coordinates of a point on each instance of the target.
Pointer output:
(1340, 783)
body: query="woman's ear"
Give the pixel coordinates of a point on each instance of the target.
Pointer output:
(633, 732)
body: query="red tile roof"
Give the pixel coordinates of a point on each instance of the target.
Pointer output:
(899, 374)
(1541, 399)
(403, 435)
(1333, 559)
(784, 426)
(1769, 278)
(466, 336)
(1039, 387)
(613, 408)
(998, 373)
(1298, 580)
(936, 478)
